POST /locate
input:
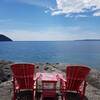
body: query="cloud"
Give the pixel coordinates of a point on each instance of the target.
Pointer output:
(22, 35)
(76, 6)
(81, 16)
(52, 34)
(76, 16)
(56, 13)
(42, 3)
(97, 13)
(66, 7)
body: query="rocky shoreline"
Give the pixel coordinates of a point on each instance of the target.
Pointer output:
(92, 91)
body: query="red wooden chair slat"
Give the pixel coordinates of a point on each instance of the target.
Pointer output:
(76, 78)
(23, 77)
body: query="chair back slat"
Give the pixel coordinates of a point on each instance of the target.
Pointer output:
(76, 74)
(23, 74)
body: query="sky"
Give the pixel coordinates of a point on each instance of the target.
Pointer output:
(50, 20)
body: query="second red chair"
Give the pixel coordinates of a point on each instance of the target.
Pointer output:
(75, 80)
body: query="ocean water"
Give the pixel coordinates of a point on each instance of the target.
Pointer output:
(68, 52)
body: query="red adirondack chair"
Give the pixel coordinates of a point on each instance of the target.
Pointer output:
(23, 78)
(49, 90)
(75, 80)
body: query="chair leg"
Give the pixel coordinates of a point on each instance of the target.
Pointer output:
(33, 95)
(14, 97)
(63, 97)
(82, 97)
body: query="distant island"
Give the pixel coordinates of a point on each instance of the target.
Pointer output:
(4, 38)
(89, 40)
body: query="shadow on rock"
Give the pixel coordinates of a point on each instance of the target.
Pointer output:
(74, 96)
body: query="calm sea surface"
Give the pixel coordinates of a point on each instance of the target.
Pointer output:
(69, 52)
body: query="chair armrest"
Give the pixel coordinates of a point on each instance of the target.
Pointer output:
(61, 77)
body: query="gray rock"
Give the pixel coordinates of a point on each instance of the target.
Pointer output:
(5, 71)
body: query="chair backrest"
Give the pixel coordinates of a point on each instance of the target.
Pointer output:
(75, 75)
(23, 74)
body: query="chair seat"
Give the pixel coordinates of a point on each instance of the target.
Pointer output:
(17, 87)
